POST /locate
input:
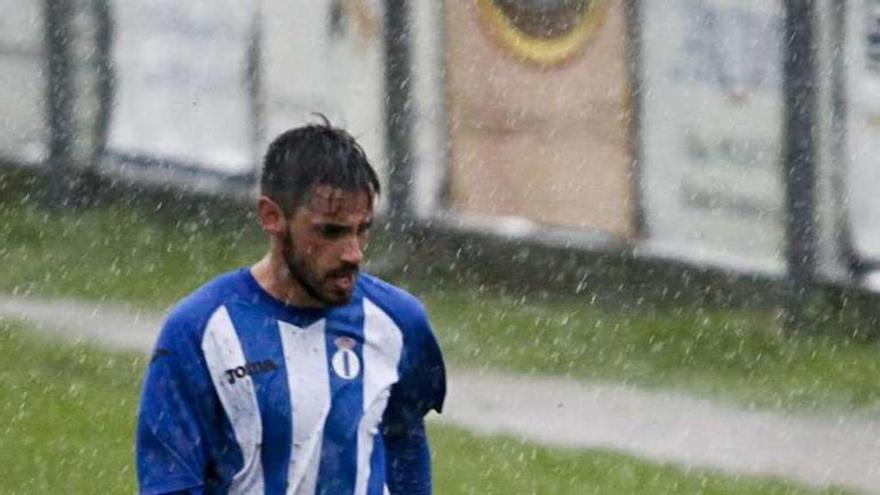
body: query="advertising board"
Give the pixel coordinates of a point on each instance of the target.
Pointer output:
(182, 90)
(711, 132)
(23, 113)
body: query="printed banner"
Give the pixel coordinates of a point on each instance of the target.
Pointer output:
(23, 118)
(325, 56)
(863, 127)
(711, 132)
(183, 89)
(539, 116)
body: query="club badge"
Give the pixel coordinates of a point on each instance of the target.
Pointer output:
(345, 361)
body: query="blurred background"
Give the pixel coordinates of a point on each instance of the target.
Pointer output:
(677, 195)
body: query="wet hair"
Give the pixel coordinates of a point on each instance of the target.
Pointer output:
(303, 158)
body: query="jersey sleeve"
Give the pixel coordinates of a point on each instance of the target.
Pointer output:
(409, 462)
(175, 403)
(422, 383)
(421, 388)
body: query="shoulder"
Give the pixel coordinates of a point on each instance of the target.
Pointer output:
(404, 308)
(422, 375)
(188, 318)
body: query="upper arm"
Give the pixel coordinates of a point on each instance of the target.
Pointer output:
(175, 403)
(408, 470)
(422, 383)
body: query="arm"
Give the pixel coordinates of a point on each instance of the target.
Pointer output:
(422, 387)
(171, 450)
(409, 461)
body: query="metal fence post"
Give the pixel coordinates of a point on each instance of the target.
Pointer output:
(799, 86)
(398, 107)
(59, 96)
(104, 48)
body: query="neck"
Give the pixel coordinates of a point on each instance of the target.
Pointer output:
(272, 275)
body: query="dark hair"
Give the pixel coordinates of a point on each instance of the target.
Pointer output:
(316, 154)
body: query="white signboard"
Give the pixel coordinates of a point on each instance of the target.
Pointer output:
(430, 137)
(23, 114)
(325, 56)
(182, 86)
(711, 132)
(863, 126)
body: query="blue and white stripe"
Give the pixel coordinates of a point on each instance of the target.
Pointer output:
(222, 351)
(383, 345)
(305, 356)
(305, 429)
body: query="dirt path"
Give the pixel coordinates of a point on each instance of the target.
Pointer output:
(658, 426)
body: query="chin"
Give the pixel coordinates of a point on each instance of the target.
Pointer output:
(336, 299)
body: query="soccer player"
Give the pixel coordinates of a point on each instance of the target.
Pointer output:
(298, 375)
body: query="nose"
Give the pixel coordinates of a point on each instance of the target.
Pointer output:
(353, 252)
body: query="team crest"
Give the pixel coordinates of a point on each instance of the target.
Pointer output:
(345, 361)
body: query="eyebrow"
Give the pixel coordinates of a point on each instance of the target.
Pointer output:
(366, 224)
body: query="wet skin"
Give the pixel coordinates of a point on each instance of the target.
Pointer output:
(324, 241)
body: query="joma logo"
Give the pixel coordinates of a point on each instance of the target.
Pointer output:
(250, 369)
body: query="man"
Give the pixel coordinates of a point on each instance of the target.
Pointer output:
(298, 375)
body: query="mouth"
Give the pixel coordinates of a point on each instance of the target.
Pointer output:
(343, 282)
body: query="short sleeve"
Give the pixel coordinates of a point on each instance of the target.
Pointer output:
(171, 448)
(422, 384)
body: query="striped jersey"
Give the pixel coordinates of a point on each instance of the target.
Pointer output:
(247, 395)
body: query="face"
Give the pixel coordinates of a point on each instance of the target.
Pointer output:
(324, 243)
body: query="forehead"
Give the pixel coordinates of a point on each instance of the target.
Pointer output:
(329, 201)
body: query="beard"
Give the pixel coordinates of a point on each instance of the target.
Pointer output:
(312, 282)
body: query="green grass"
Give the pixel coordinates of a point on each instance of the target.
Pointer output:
(67, 416)
(129, 254)
(726, 354)
(115, 251)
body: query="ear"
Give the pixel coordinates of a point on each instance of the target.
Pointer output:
(271, 216)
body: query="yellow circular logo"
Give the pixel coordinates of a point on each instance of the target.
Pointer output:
(546, 32)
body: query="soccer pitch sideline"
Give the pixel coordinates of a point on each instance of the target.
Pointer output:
(66, 426)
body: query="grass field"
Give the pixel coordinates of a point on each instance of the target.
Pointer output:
(129, 254)
(718, 353)
(67, 416)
